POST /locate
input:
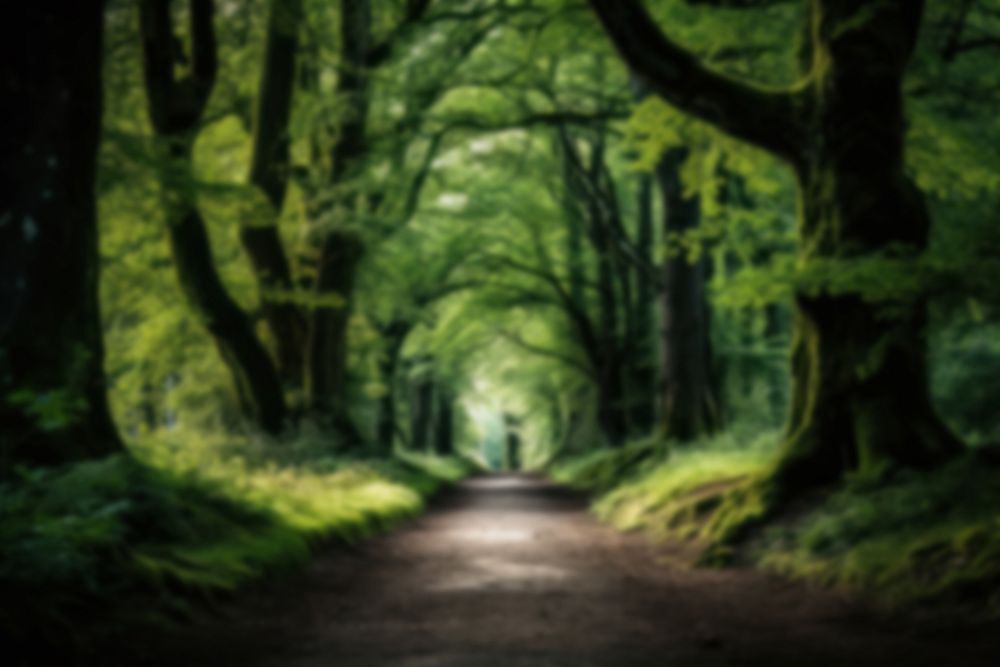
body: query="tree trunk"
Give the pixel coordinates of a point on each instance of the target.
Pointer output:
(326, 355)
(860, 396)
(574, 224)
(643, 362)
(53, 394)
(444, 423)
(689, 395)
(257, 386)
(340, 248)
(385, 422)
(175, 110)
(269, 171)
(612, 403)
(421, 412)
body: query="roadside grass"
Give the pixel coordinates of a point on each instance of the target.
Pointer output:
(183, 520)
(903, 538)
(915, 538)
(603, 469)
(673, 498)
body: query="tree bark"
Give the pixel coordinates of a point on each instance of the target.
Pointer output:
(860, 395)
(326, 353)
(444, 423)
(385, 422)
(175, 110)
(269, 171)
(643, 361)
(421, 411)
(612, 401)
(53, 393)
(688, 390)
(340, 248)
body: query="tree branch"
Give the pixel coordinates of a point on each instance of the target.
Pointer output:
(540, 351)
(762, 117)
(381, 52)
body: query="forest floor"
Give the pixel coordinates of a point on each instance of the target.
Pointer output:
(513, 571)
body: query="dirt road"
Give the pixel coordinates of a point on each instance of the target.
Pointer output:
(513, 572)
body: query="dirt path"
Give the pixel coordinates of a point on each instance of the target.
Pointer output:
(511, 571)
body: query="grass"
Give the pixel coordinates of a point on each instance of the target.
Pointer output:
(671, 498)
(603, 469)
(181, 521)
(916, 538)
(905, 538)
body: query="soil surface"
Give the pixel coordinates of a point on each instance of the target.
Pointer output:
(512, 571)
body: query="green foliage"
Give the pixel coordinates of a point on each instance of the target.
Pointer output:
(187, 519)
(603, 469)
(673, 496)
(460, 199)
(916, 537)
(903, 537)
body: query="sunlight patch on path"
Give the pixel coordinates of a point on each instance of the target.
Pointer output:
(487, 536)
(497, 573)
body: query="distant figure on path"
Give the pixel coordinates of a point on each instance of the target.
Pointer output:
(512, 449)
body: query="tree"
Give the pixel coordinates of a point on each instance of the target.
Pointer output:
(270, 171)
(444, 421)
(53, 402)
(860, 395)
(688, 391)
(421, 403)
(176, 107)
(342, 211)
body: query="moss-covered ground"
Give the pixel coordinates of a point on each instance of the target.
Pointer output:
(182, 521)
(904, 538)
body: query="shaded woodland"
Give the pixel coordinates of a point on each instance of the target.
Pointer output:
(273, 271)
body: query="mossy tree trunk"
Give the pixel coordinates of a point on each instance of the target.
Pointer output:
(860, 395)
(687, 387)
(176, 106)
(53, 394)
(612, 410)
(269, 171)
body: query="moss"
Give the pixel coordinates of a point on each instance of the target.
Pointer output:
(902, 536)
(183, 523)
(741, 510)
(605, 468)
(912, 538)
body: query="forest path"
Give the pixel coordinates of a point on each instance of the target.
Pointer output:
(512, 571)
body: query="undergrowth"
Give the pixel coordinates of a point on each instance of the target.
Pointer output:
(915, 538)
(904, 538)
(152, 536)
(602, 469)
